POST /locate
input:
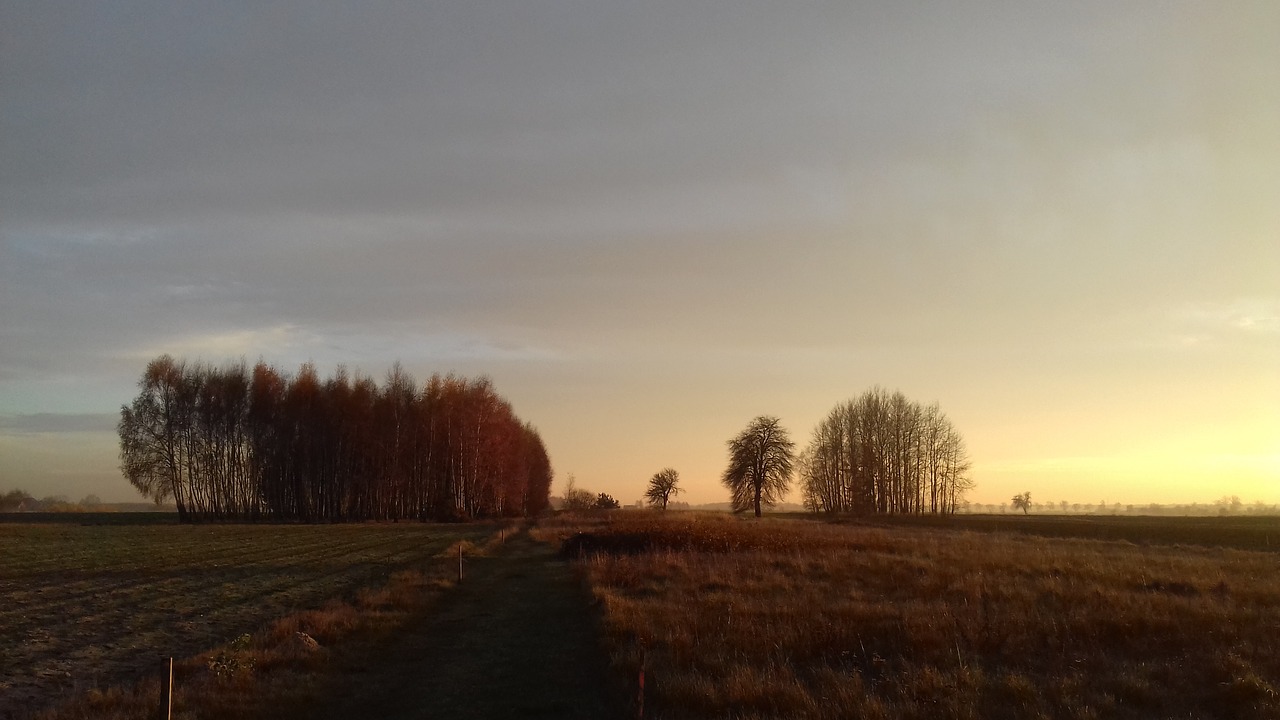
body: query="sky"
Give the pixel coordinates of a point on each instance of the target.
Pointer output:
(651, 222)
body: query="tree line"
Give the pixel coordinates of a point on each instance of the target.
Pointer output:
(880, 453)
(19, 500)
(240, 443)
(883, 453)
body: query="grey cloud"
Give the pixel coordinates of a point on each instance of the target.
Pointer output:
(165, 111)
(511, 169)
(20, 424)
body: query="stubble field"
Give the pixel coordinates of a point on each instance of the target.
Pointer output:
(971, 619)
(89, 606)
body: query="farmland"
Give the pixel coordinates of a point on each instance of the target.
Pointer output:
(84, 606)
(965, 617)
(801, 619)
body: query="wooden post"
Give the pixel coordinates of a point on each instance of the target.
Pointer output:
(166, 694)
(459, 562)
(640, 692)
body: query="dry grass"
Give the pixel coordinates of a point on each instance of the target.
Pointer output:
(799, 619)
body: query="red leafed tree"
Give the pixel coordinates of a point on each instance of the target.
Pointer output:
(230, 443)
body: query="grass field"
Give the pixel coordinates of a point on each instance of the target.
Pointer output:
(87, 606)
(791, 618)
(1243, 532)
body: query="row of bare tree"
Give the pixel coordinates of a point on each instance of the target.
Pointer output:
(235, 443)
(883, 453)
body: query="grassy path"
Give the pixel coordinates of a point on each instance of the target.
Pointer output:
(518, 639)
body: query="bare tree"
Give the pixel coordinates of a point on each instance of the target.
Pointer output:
(1022, 502)
(663, 486)
(230, 443)
(575, 498)
(760, 463)
(882, 453)
(153, 431)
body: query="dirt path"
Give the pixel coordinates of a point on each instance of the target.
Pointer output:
(518, 639)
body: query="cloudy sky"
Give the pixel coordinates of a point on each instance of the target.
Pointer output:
(650, 222)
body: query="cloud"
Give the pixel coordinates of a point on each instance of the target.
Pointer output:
(326, 344)
(225, 344)
(1230, 323)
(1247, 315)
(57, 423)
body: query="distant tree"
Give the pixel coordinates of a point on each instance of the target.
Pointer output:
(1022, 502)
(605, 501)
(663, 486)
(575, 498)
(14, 500)
(760, 463)
(91, 501)
(1229, 504)
(54, 503)
(1064, 505)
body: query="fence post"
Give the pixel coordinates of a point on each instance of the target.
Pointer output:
(640, 692)
(459, 562)
(166, 694)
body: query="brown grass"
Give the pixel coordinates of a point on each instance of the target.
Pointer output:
(799, 619)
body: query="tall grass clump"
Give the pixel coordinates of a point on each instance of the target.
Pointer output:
(799, 619)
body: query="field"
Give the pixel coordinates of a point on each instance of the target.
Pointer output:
(1242, 532)
(88, 606)
(975, 618)
(785, 617)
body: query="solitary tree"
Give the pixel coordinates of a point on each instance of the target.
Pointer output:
(1022, 502)
(662, 487)
(605, 501)
(760, 461)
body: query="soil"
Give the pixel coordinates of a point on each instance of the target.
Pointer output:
(517, 639)
(87, 606)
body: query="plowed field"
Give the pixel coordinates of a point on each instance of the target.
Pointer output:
(83, 606)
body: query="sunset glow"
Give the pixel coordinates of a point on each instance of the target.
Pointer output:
(650, 223)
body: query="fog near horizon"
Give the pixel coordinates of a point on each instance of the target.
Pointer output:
(650, 224)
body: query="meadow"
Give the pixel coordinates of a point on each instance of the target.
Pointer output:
(959, 618)
(88, 608)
